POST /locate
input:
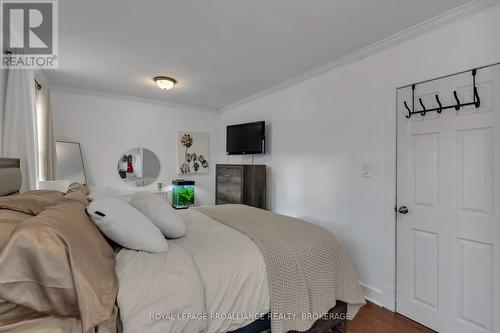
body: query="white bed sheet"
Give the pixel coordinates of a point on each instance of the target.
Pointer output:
(153, 288)
(213, 269)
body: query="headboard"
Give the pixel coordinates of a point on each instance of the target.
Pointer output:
(10, 176)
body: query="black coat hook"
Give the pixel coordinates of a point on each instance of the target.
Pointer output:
(477, 101)
(409, 111)
(440, 109)
(424, 110)
(457, 107)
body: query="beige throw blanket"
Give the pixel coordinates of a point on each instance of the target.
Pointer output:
(307, 268)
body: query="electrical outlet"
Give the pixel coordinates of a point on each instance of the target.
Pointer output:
(366, 170)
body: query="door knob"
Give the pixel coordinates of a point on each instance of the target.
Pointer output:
(403, 210)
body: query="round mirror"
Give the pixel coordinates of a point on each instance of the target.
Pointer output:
(139, 167)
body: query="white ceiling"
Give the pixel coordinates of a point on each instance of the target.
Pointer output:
(220, 51)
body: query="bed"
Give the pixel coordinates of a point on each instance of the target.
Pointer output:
(214, 279)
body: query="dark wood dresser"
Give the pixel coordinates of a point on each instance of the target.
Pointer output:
(241, 184)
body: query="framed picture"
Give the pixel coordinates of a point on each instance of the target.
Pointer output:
(192, 152)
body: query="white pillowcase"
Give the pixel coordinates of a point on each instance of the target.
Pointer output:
(96, 191)
(160, 212)
(126, 225)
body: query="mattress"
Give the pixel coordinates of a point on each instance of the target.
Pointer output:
(231, 267)
(213, 279)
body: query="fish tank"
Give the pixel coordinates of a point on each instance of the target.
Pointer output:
(182, 193)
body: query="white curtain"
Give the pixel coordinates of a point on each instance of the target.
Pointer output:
(3, 88)
(19, 125)
(47, 156)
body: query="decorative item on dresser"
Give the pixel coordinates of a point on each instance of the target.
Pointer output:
(241, 184)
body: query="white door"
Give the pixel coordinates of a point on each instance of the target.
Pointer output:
(448, 243)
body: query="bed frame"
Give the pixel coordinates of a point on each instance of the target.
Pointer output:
(10, 176)
(335, 323)
(337, 316)
(9, 163)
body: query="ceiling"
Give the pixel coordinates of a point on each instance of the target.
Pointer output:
(219, 51)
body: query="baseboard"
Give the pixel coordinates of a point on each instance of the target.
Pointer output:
(374, 295)
(389, 298)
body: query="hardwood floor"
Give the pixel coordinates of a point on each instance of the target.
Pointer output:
(374, 319)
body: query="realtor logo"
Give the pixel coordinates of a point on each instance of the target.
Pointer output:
(29, 38)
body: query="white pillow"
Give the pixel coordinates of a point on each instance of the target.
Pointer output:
(160, 212)
(126, 225)
(95, 191)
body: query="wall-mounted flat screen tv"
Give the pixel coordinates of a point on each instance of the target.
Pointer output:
(246, 138)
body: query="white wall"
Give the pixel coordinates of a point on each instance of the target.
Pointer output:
(107, 126)
(323, 129)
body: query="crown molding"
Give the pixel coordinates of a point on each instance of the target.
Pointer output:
(152, 101)
(435, 23)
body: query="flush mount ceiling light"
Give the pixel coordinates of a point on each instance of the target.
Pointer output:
(165, 82)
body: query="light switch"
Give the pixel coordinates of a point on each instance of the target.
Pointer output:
(366, 170)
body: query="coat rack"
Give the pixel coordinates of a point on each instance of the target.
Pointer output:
(457, 106)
